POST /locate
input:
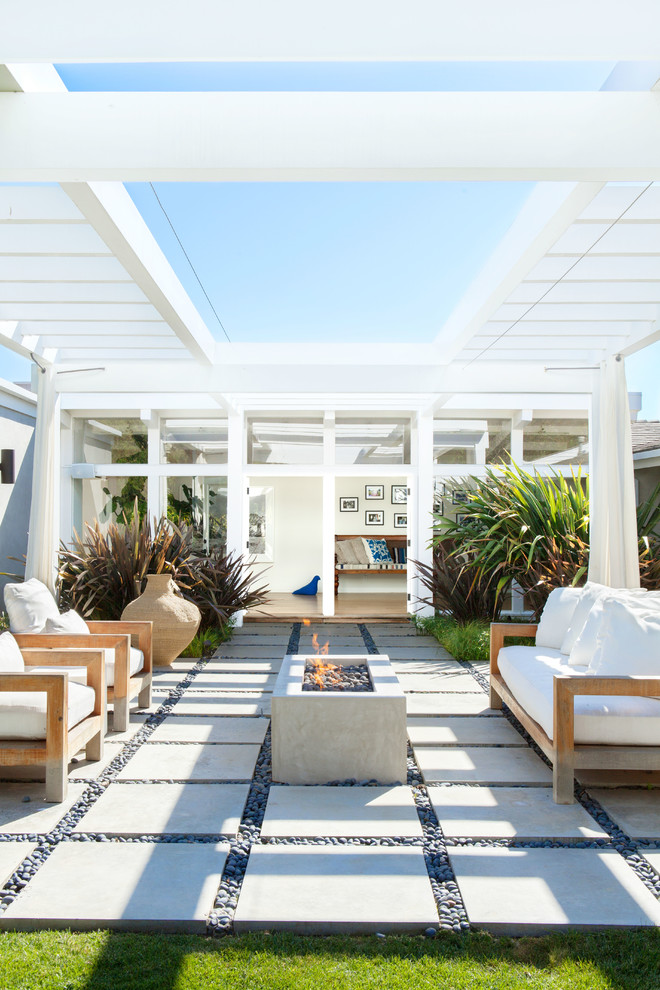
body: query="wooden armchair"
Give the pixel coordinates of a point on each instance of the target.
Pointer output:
(111, 635)
(61, 741)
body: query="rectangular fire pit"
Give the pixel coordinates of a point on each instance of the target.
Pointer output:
(325, 734)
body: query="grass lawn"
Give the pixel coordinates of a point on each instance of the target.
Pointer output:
(468, 642)
(621, 960)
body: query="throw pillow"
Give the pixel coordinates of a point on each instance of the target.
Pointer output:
(67, 622)
(359, 549)
(29, 605)
(11, 658)
(629, 642)
(556, 616)
(377, 551)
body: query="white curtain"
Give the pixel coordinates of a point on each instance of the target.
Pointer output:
(43, 534)
(613, 556)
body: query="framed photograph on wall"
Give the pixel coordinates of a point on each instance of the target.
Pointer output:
(440, 489)
(374, 491)
(439, 507)
(399, 494)
(459, 497)
(374, 517)
(460, 518)
(401, 520)
(349, 503)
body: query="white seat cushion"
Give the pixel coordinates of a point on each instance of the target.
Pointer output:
(29, 605)
(77, 675)
(528, 672)
(23, 713)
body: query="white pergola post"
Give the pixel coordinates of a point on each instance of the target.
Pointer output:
(155, 508)
(613, 555)
(424, 513)
(329, 488)
(235, 489)
(43, 533)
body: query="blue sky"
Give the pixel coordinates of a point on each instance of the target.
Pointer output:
(342, 261)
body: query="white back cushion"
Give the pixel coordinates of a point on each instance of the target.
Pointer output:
(629, 641)
(586, 642)
(590, 595)
(11, 658)
(29, 605)
(556, 616)
(67, 622)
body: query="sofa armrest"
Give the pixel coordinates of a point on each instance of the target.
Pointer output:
(56, 688)
(141, 630)
(119, 642)
(567, 686)
(499, 631)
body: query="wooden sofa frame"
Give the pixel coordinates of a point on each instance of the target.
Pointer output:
(396, 540)
(108, 634)
(561, 750)
(61, 743)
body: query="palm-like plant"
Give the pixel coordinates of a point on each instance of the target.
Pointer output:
(523, 527)
(103, 571)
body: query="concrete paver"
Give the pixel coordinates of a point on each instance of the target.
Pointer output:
(12, 855)
(449, 704)
(636, 812)
(442, 683)
(324, 889)
(182, 809)
(35, 815)
(482, 765)
(341, 811)
(191, 762)
(222, 704)
(463, 732)
(525, 891)
(132, 886)
(226, 681)
(206, 729)
(509, 812)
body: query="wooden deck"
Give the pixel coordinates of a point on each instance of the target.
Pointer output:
(379, 606)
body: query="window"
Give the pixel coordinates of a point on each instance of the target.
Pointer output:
(553, 440)
(193, 441)
(365, 440)
(285, 441)
(119, 440)
(472, 441)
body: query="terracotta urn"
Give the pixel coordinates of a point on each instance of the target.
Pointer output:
(175, 620)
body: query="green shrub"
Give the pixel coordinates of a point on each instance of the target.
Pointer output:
(468, 641)
(206, 643)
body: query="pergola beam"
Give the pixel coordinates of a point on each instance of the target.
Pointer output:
(344, 30)
(85, 137)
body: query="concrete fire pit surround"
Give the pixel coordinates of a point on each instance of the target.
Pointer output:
(323, 736)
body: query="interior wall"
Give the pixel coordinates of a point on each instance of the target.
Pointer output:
(297, 532)
(353, 524)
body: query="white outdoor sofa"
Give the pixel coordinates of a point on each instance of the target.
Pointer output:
(588, 692)
(35, 621)
(45, 717)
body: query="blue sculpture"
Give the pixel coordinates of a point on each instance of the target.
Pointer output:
(309, 589)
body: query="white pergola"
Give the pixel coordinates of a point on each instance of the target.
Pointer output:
(85, 288)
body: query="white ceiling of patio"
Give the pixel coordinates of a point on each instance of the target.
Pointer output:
(577, 277)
